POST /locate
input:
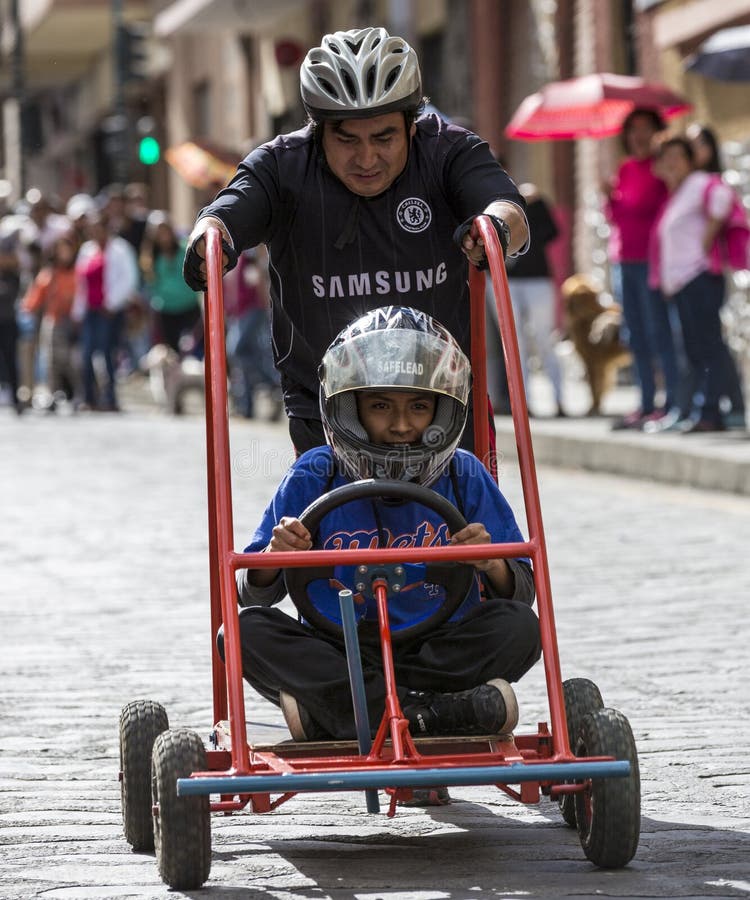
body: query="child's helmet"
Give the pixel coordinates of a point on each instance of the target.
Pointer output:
(360, 73)
(394, 348)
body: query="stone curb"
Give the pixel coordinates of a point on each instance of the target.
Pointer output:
(710, 462)
(719, 462)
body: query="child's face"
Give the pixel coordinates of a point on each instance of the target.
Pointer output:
(395, 417)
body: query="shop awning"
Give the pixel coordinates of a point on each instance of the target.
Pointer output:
(685, 26)
(246, 16)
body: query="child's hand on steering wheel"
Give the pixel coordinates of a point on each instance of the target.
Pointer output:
(289, 534)
(496, 570)
(474, 533)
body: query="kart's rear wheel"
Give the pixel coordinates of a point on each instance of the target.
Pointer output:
(581, 697)
(608, 812)
(182, 825)
(141, 721)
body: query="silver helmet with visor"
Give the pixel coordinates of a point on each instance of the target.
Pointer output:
(358, 74)
(394, 348)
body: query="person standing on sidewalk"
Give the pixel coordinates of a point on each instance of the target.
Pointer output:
(10, 285)
(51, 296)
(176, 306)
(708, 159)
(107, 277)
(367, 203)
(682, 267)
(634, 198)
(532, 292)
(249, 337)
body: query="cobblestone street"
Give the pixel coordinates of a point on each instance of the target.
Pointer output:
(105, 599)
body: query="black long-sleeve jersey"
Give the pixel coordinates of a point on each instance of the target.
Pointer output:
(334, 255)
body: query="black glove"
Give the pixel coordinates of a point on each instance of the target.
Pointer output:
(191, 266)
(501, 227)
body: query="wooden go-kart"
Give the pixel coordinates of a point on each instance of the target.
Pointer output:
(584, 759)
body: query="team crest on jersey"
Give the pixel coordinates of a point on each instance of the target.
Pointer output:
(413, 214)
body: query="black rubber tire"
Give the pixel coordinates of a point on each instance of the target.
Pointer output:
(141, 721)
(608, 813)
(458, 578)
(581, 697)
(182, 826)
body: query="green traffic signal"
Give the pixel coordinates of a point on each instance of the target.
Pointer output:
(149, 151)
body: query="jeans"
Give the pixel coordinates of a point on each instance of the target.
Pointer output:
(55, 344)
(99, 334)
(698, 304)
(249, 352)
(650, 335)
(8, 355)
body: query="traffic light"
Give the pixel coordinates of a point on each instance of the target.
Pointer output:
(149, 151)
(132, 51)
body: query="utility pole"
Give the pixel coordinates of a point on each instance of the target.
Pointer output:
(116, 125)
(13, 109)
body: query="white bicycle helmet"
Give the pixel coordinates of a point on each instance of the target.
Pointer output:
(394, 348)
(360, 73)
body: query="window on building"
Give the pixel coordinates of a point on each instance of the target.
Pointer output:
(630, 42)
(431, 63)
(202, 109)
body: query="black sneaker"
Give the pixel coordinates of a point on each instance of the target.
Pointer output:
(300, 723)
(488, 709)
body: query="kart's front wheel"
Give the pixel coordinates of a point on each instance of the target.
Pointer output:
(182, 825)
(608, 812)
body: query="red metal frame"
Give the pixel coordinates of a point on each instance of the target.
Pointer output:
(236, 758)
(520, 414)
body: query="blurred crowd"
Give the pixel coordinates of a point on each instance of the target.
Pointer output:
(92, 294)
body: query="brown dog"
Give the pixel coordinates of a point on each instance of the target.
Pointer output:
(594, 330)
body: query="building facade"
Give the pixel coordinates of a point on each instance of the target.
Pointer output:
(224, 73)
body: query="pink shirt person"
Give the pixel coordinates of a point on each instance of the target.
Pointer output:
(680, 235)
(634, 203)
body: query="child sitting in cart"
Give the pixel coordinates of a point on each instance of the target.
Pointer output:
(394, 392)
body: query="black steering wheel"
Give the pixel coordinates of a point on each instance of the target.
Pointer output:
(456, 578)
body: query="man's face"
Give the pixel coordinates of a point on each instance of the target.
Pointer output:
(367, 155)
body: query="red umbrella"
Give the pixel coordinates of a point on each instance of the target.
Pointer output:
(592, 106)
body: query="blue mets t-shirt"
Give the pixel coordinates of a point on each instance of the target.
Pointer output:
(374, 523)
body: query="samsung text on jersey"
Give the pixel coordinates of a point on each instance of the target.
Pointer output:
(363, 284)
